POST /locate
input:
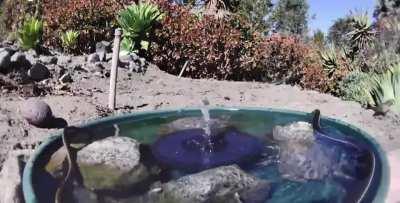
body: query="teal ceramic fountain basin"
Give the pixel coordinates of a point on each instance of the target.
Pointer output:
(147, 127)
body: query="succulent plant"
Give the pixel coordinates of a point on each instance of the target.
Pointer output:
(329, 60)
(137, 22)
(29, 35)
(362, 34)
(69, 39)
(385, 87)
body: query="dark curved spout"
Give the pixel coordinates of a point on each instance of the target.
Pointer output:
(320, 134)
(73, 173)
(316, 121)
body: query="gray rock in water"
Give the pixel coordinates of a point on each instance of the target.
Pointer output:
(222, 184)
(37, 112)
(38, 72)
(93, 58)
(11, 176)
(216, 125)
(5, 60)
(112, 164)
(301, 158)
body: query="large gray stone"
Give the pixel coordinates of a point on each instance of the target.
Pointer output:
(38, 72)
(112, 164)
(301, 158)
(216, 125)
(11, 176)
(36, 112)
(222, 184)
(20, 62)
(5, 60)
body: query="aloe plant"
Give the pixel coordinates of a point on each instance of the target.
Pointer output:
(137, 22)
(362, 33)
(30, 33)
(329, 60)
(386, 87)
(69, 39)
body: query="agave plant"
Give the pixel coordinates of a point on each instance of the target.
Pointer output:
(386, 88)
(362, 34)
(137, 22)
(30, 33)
(69, 39)
(329, 60)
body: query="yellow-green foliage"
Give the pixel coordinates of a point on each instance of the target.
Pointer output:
(386, 87)
(29, 35)
(329, 59)
(69, 40)
(137, 22)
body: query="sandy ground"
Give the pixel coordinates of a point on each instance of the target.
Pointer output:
(158, 90)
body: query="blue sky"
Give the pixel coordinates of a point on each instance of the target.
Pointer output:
(326, 11)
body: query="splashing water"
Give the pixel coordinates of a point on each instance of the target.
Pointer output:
(207, 149)
(206, 117)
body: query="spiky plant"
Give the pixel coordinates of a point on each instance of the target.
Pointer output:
(137, 22)
(69, 40)
(386, 87)
(362, 33)
(29, 35)
(329, 60)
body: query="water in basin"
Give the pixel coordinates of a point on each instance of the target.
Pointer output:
(185, 143)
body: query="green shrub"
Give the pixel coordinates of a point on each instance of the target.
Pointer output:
(284, 59)
(212, 48)
(95, 20)
(137, 22)
(29, 35)
(356, 87)
(69, 40)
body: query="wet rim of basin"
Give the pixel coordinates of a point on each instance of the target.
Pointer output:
(29, 170)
